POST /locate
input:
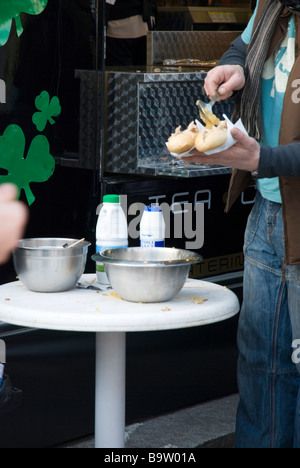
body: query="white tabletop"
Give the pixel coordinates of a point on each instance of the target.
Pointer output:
(199, 303)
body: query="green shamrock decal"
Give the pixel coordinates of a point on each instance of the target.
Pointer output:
(38, 166)
(11, 9)
(48, 109)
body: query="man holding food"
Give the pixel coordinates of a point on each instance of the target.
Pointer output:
(262, 70)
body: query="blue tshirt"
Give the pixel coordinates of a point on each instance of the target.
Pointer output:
(273, 86)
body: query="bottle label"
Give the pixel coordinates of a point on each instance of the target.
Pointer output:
(99, 248)
(151, 243)
(100, 268)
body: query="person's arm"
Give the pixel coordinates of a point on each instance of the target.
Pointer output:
(236, 54)
(13, 218)
(231, 69)
(248, 155)
(279, 161)
(153, 15)
(229, 75)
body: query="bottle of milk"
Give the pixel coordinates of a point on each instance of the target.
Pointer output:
(111, 231)
(152, 227)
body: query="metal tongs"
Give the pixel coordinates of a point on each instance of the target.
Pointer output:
(205, 109)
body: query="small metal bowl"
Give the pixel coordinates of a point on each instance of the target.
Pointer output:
(44, 265)
(141, 274)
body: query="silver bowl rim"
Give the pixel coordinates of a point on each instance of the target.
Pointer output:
(63, 240)
(191, 259)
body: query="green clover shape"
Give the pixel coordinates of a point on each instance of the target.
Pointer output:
(11, 9)
(38, 166)
(47, 108)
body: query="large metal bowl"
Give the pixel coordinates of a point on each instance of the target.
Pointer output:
(140, 274)
(43, 265)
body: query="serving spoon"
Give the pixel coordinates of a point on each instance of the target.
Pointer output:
(205, 109)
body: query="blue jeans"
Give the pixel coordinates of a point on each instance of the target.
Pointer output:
(268, 370)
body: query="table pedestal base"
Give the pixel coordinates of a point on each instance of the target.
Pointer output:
(110, 390)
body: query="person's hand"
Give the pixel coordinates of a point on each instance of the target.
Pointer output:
(243, 155)
(225, 79)
(13, 219)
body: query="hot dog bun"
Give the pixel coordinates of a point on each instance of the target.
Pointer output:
(183, 141)
(209, 139)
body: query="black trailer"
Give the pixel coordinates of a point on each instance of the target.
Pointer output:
(108, 138)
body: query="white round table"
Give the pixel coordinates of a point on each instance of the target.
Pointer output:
(110, 317)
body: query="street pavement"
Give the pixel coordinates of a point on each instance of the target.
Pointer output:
(208, 425)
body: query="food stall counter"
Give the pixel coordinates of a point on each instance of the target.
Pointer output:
(144, 107)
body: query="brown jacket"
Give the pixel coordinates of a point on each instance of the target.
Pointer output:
(289, 132)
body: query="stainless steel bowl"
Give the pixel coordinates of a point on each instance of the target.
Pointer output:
(43, 265)
(140, 274)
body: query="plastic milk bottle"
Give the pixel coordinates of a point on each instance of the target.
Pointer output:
(111, 231)
(152, 227)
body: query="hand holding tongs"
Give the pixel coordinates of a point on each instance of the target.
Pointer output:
(205, 109)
